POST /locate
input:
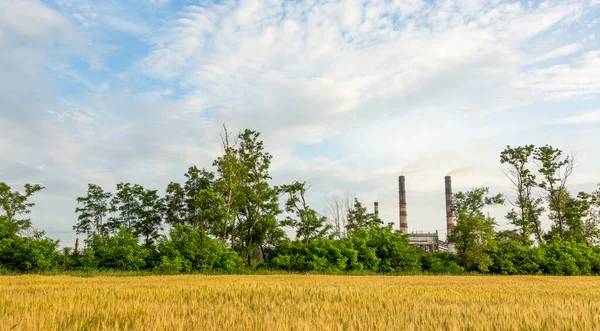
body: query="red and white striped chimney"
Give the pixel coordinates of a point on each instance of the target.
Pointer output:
(402, 201)
(449, 211)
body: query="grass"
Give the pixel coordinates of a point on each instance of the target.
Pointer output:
(299, 302)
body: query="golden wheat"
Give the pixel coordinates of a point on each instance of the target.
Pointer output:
(298, 302)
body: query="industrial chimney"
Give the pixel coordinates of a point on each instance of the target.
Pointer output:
(449, 211)
(402, 198)
(376, 208)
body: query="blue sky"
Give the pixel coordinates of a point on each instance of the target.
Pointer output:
(347, 94)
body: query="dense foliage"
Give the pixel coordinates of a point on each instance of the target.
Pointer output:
(230, 221)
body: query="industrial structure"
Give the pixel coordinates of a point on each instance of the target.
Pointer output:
(402, 200)
(429, 241)
(449, 210)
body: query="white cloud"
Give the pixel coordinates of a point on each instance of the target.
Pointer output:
(576, 80)
(32, 20)
(560, 51)
(584, 118)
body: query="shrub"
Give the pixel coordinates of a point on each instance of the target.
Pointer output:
(121, 252)
(190, 249)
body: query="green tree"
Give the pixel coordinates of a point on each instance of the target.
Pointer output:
(228, 183)
(527, 209)
(21, 247)
(152, 211)
(93, 212)
(15, 203)
(591, 225)
(210, 212)
(473, 234)
(196, 204)
(308, 224)
(125, 206)
(196, 181)
(555, 170)
(358, 218)
(138, 210)
(258, 201)
(578, 215)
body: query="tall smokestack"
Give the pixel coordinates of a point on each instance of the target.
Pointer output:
(449, 211)
(76, 245)
(376, 208)
(402, 198)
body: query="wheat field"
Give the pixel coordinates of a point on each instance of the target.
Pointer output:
(299, 302)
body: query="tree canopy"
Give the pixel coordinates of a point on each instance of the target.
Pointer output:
(228, 218)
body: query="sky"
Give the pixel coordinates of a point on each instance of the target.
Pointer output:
(347, 95)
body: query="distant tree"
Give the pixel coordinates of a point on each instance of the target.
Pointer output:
(196, 182)
(126, 207)
(473, 234)
(358, 218)
(210, 212)
(337, 208)
(228, 183)
(15, 203)
(21, 247)
(308, 224)
(578, 215)
(258, 201)
(591, 225)
(152, 214)
(196, 203)
(555, 170)
(93, 212)
(526, 216)
(175, 204)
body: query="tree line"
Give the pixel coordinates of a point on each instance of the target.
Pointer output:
(229, 219)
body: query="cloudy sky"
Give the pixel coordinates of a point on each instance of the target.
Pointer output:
(347, 95)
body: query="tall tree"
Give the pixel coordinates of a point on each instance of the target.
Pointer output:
(527, 209)
(151, 216)
(209, 207)
(229, 180)
(308, 224)
(93, 212)
(196, 181)
(555, 170)
(195, 203)
(473, 234)
(174, 201)
(258, 205)
(125, 206)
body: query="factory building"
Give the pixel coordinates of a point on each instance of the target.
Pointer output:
(429, 241)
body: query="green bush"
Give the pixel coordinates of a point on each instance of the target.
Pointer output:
(190, 249)
(373, 249)
(441, 263)
(393, 251)
(119, 252)
(28, 254)
(321, 255)
(25, 253)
